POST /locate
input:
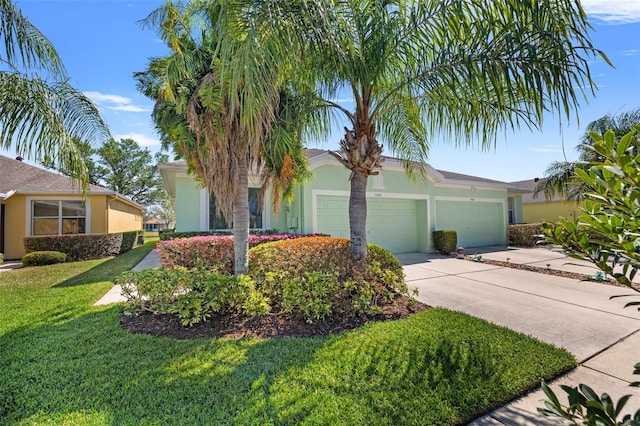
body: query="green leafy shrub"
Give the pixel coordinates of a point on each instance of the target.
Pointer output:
(524, 235)
(83, 246)
(193, 295)
(39, 258)
(316, 277)
(445, 241)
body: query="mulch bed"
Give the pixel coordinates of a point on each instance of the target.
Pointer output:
(549, 271)
(269, 326)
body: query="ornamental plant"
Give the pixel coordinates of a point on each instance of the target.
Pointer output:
(608, 235)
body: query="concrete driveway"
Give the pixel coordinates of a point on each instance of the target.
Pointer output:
(578, 316)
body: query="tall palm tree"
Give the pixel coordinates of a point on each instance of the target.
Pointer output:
(204, 117)
(462, 69)
(41, 115)
(560, 177)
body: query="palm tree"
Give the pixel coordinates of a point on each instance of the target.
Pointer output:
(461, 69)
(41, 116)
(560, 177)
(204, 117)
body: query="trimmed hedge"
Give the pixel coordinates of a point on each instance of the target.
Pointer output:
(525, 235)
(170, 234)
(211, 252)
(39, 258)
(311, 278)
(445, 241)
(83, 246)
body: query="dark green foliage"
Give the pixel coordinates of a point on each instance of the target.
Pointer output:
(445, 242)
(311, 277)
(128, 240)
(525, 235)
(83, 246)
(39, 258)
(586, 406)
(608, 235)
(194, 295)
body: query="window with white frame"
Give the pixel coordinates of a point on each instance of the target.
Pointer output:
(255, 212)
(55, 217)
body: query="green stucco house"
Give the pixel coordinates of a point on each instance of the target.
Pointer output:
(402, 211)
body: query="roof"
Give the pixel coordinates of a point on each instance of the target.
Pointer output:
(18, 177)
(318, 156)
(528, 186)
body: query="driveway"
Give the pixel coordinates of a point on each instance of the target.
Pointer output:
(578, 316)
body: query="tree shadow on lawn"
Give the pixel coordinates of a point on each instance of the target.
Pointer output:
(89, 370)
(109, 269)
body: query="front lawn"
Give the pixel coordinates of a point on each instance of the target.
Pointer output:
(64, 361)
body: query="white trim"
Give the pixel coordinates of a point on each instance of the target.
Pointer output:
(377, 181)
(204, 209)
(505, 208)
(28, 210)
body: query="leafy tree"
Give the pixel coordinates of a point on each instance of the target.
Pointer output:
(164, 211)
(41, 115)
(95, 172)
(560, 176)
(223, 124)
(462, 69)
(607, 234)
(132, 171)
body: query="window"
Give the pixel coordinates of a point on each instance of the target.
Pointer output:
(255, 212)
(52, 217)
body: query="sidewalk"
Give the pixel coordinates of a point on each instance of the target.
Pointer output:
(114, 295)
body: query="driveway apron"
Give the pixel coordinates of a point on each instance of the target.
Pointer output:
(578, 316)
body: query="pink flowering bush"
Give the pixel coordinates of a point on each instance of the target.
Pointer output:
(210, 252)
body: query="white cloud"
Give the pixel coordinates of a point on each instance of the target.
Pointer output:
(129, 108)
(141, 139)
(613, 11)
(114, 102)
(631, 52)
(547, 149)
(100, 98)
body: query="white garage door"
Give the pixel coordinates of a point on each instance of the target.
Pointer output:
(476, 223)
(391, 223)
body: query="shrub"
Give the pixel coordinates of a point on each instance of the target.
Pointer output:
(445, 241)
(171, 234)
(211, 252)
(128, 240)
(316, 277)
(39, 258)
(525, 235)
(193, 295)
(83, 246)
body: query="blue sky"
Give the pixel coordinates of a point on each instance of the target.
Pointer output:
(102, 45)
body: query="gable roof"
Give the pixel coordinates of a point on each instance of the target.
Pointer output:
(17, 177)
(529, 186)
(319, 157)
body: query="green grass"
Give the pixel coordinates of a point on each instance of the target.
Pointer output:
(63, 361)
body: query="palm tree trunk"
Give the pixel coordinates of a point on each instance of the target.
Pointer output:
(358, 215)
(241, 220)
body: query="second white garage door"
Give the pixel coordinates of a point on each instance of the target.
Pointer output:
(476, 223)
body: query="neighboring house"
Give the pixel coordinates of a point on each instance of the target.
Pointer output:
(402, 211)
(154, 225)
(35, 201)
(539, 209)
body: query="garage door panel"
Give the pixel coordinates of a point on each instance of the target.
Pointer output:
(476, 223)
(391, 223)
